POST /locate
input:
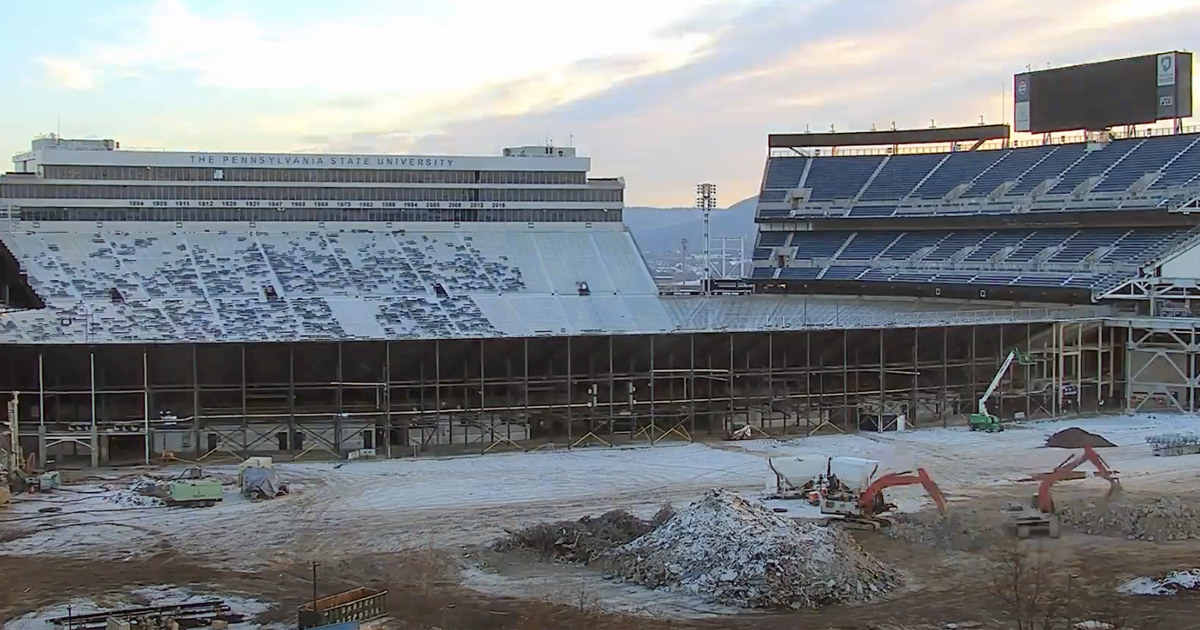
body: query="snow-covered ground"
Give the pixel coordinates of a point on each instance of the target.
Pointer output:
(370, 506)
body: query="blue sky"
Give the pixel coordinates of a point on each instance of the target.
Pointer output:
(666, 93)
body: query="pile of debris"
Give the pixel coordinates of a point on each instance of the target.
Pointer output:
(584, 540)
(954, 531)
(1174, 582)
(1161, 520)
(1075, 437)
(742, 554)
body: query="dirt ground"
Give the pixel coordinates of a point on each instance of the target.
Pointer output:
(423, 531)
(948, 581)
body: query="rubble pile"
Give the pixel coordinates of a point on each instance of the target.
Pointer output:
(733, 552)
(1163, 519)
(951, 532)
(1075, 437)
(584, 540)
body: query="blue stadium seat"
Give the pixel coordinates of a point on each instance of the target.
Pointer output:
(818, 244)
(1063, 156)
(784, 172)
(996, 242)
(1093, 164)
(1142, 244)
(843, 273)
(766, 273)
(1084, 242)
(1182, 171)
(954, 278)
(1036, 243)
(774, 213)
(994, 279)
(900, 175)
(773, 239)
(1150, 157)
(799, 273)
(761, 253)
(867, 245)
(772, 196)
(914, 241)
(959, 168)
(840, 178)
(1009, 168)
(914, 276)
(955, 243)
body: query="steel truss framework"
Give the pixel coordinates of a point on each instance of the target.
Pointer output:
(410, 398)
(1163, 364)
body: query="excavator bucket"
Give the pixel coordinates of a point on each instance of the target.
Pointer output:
(1114, 489)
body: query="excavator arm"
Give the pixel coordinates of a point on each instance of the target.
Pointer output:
(906, 478)
(1045, 501)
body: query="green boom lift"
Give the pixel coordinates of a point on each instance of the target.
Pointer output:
(984, 420)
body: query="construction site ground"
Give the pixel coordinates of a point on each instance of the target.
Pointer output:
(423, 529)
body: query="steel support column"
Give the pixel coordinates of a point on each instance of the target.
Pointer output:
(95, 434)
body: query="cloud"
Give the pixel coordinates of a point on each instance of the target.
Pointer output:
(69, 73)
(666, 94)
(788, 65)
(432, 57)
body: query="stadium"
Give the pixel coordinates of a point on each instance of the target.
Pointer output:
(930, 310)
(230, 304)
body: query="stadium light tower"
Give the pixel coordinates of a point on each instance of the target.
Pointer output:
(706, 200)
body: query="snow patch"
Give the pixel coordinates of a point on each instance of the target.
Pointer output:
(1174, 582)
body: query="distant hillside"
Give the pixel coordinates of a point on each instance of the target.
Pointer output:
(660, 229)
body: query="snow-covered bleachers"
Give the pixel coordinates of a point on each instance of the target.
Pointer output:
(227, 282)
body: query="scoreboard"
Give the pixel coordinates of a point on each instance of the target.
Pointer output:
(1097, 96)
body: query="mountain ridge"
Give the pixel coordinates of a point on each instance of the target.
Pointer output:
(659, 230)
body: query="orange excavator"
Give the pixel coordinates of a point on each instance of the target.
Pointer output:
(864, 510)
(1039, 517)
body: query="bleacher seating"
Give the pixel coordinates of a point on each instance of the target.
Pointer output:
(899, 177)
(303, 281)
(1151, 174)
(960, 168)
(874, 186)
(840, 178)
(1046, 257)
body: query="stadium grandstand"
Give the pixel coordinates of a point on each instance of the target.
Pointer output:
(1069, 221)
(228, 304)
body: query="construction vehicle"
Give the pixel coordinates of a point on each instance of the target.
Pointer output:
(1038, 517)
(846, 487)
(983, 420)
(864, 510)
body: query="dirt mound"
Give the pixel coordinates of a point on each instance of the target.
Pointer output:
(1160, 520)
(584, 540)
(737, 553)
(1075, 437)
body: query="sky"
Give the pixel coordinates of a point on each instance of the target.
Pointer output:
(666, 93)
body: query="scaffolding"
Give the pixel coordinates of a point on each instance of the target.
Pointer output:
(112, 403)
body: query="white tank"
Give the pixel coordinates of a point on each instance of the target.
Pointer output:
(855, 472)
(792, 472)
